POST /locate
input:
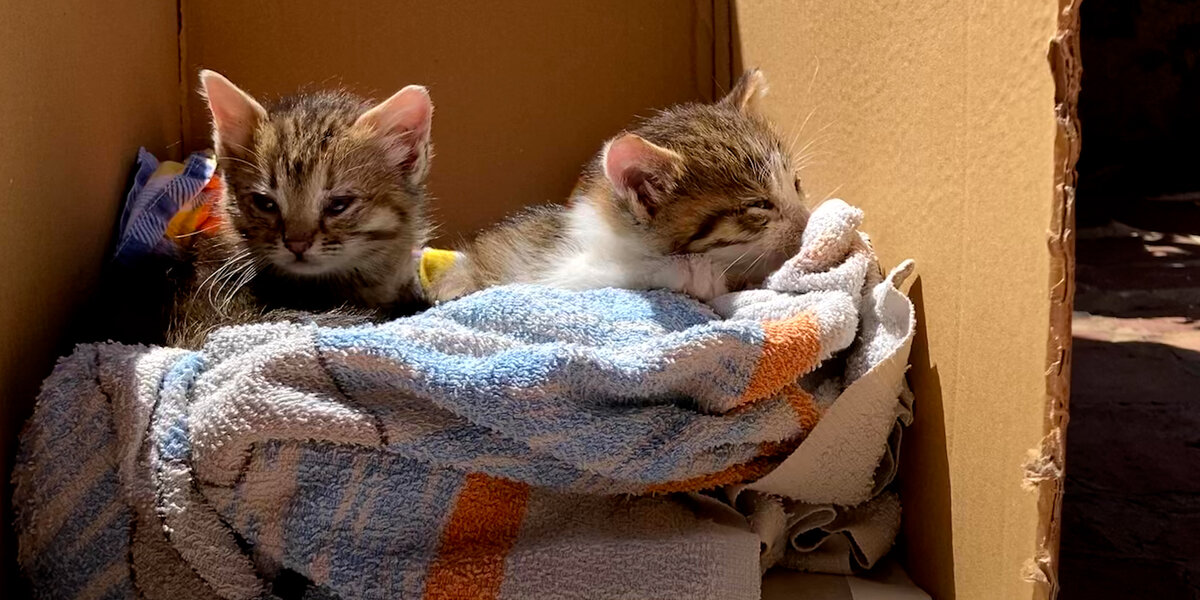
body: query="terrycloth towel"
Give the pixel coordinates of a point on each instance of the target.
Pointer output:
(886, 581)
(522, 442)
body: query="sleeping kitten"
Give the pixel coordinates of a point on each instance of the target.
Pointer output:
(701, 198)
(324, 207)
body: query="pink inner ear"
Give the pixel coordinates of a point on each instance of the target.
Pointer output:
(234, 112)
(631, 162)
(621, 163)
(408, 111)
(638, 167)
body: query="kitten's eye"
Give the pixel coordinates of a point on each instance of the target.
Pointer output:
(339, 204)
(761, 204)
(264, 203)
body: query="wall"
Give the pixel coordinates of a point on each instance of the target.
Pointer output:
(83, 85)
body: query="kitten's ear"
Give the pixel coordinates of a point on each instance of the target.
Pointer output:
(405, 121)
(235, 113)
(750, 89)
(642, 172)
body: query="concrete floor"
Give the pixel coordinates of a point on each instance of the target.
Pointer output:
(1131, 516)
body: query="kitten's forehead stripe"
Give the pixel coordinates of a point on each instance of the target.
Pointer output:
(326, 136)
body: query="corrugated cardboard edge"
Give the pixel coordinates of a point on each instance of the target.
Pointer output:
(725, 49)
(1044, 470)
(710, 34)
(185, 78)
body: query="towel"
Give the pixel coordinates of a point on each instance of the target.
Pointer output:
(886, 581)
(522, 442)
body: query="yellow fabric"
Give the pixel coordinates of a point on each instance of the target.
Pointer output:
(433, 264)
(167, 168)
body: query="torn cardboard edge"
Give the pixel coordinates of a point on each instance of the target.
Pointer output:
(1045, 469)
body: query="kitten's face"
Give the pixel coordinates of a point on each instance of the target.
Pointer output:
(323, 185)
(714, 180)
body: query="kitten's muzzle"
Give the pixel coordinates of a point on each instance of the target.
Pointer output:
(299, 247)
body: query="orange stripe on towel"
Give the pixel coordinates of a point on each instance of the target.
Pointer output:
(772, 453)
(790, 349)
(806, 409)
(475, 543)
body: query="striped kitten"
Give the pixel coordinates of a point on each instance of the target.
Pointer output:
(701, 198)
(324, 206)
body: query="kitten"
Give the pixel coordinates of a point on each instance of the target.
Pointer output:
(701, 198)
(324, 207)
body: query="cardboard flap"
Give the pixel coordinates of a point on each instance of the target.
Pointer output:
(939, 121)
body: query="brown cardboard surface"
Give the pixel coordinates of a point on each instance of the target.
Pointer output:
(525, 92)
(84, 84)
(939, 120)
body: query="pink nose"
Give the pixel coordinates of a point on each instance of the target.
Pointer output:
(298, 247)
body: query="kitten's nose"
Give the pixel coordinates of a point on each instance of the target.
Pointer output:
(299, 247)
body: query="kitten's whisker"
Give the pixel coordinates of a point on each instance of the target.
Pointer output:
(735, 261)
(796, 138)
(249, 273)
(218, 283)
(226, 270)
(244, 162)
(760, 257)
(809, 156)
(808, 159)
(830, 194)
(225, 265)
(816, 69)
(251, 151)
(197, 232)
(239, 273)
(816, 138)
(823, 129)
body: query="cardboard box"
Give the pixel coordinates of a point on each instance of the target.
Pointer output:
(952, 124)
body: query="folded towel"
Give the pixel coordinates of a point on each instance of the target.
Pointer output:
(522, 442)
(886, 582)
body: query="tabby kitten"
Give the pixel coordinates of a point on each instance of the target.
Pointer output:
(324, 207)
(701, 198)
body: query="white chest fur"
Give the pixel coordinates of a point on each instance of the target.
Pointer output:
(597, 255)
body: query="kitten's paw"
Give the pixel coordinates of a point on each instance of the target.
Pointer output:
(704, 280)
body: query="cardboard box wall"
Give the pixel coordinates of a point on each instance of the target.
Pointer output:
(951, 123)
